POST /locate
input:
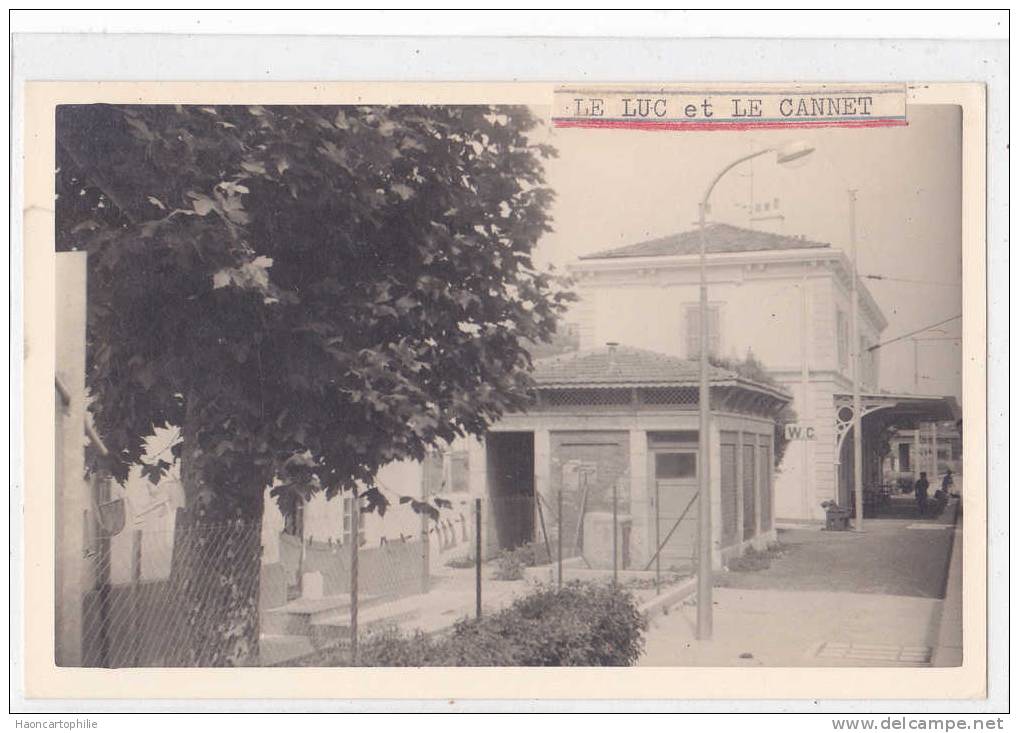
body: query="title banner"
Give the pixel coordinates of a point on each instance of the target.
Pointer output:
(730, 107)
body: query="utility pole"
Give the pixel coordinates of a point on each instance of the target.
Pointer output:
(705, 540)
(916, 366)
(855, 344)
(917, 465)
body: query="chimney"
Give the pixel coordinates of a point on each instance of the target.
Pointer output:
(612, 354)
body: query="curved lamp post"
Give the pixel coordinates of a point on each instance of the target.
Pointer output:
(784, 155)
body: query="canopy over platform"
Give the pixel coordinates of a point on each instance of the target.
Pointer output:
(881, 410)
(902, 410)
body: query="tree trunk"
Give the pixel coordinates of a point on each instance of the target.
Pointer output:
(214, 580)
(214, 576)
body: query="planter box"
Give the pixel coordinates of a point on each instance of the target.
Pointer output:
(836, 520)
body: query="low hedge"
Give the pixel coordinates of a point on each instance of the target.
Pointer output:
(578, 625)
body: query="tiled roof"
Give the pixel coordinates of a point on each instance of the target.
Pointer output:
(620, 366)
(720, 238)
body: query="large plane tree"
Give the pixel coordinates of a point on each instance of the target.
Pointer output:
(308, 293)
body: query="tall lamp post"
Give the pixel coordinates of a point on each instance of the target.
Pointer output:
(857, 372)
(784, 155)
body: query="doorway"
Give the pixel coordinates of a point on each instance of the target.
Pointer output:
(510, 489)
(674, 477)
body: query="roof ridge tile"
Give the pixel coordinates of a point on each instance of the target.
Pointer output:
(727, 238)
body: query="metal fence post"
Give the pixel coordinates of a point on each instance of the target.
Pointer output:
(426, 554)
(615, 532)
(103, 601)
(136, 576)
(299, 510)
(355, 519)
(559, 541)
(477, 557)
(95, 531)
(544, 532)
(658, 541)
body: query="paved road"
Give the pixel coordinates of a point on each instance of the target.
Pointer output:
(769, 628)
(831, 599)
(903, 557)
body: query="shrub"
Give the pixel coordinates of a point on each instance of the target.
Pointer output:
(751, 561)
(754, 560)
(585, 625)
(579, 624)
(461, 562)
(391, 648)
(510, 564)
(534, 553)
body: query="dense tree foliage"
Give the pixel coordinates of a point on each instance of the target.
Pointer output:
(308, 292)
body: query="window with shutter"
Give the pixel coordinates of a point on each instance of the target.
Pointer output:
(714, 331)
(693, 331)
(842, 337)
(868, 366)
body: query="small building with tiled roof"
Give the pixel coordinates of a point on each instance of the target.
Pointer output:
(613, 431)
(619, 365)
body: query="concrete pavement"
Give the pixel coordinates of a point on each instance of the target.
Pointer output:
(772, 628)
(831, 599)
(948, 647)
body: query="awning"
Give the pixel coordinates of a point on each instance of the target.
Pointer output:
(902, 410)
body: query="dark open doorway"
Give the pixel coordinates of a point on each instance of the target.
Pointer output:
(511, 489)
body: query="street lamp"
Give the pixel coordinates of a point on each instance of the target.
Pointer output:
(854, 335)
(784, 155)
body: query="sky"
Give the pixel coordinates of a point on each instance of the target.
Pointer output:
(618, 187)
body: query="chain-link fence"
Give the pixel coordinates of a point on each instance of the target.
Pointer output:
(242, 593)
(159, 596)
(246, 593)
(581, 536)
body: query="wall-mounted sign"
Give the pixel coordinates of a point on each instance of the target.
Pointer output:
(799, 431)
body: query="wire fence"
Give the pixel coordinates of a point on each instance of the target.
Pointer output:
(158, 596)
(244, 593)
(580, 537)
(240, 593)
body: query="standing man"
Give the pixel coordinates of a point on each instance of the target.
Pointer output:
(947, 482)
(920, 491)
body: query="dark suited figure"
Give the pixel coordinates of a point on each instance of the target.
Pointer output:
(920, 491)
(947, 483)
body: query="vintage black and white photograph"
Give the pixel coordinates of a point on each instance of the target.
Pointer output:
(474, 385)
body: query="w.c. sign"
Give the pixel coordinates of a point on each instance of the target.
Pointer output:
(796, 431)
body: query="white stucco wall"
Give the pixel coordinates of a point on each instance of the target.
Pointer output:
(74, 570)
(761, 308)
(780, 305)
(323, 518)
(152, 510)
